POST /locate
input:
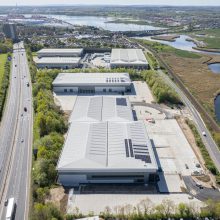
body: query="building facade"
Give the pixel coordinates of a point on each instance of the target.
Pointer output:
(10, 31)
(59, 52)
(90, 83)
(58, 62)
(128, 58)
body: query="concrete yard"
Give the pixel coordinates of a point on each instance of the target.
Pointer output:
(142, 93)
(180, 157)
(96, 203)
(174, 155)
(65, 101)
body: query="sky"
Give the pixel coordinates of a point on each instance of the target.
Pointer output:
(110, 2)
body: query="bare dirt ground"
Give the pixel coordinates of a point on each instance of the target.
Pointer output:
(208, 179)
(59, 198)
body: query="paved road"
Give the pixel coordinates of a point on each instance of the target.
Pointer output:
(201, 193)
(210, 144)
(16, 138)
(201, 127)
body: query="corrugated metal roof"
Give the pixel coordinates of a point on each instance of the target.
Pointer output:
(101, 108)
(129, 56)
(60, 50)
(58, 60)
(104, 137)
(101, 145)
(92, 79)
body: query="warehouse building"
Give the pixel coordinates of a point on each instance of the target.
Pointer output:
(105, 145)
(58, 62)
(128, 58)
(90, 83)
(48, 52)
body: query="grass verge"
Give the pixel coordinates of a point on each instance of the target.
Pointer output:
(208, 161)
(4, 82)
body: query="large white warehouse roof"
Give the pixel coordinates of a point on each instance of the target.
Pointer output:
(58, 60)
(65, 79)
(101, 108)
(104, 137)
(107, 147)
(128, 56)
(60, 50)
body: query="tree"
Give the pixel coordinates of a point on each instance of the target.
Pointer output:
(46, 212)
(145, 206)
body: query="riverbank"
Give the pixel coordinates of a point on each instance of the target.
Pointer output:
(207, 49)
(169, 38)
(128, 21)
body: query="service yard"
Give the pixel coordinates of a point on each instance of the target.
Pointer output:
(174, 156)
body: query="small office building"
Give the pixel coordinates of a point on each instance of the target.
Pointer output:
(128, 58)
(58, 62)
(90, 83)
(105, 145)
(59, 52)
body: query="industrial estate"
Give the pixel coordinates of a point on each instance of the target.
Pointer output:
(105, 122)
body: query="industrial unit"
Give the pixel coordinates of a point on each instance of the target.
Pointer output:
(105, 145)
(128, 58)
(92, 83)
(58, 62)
(50, 52)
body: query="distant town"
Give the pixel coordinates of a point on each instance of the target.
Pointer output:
(109, 112)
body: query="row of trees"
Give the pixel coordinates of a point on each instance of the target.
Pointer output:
(6, 46)
(49, 128)
(4, 86)
(146, 209)
(161, 91)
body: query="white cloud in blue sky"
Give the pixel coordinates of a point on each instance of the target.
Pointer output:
(122, 2)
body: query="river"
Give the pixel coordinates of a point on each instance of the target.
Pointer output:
(181, 43)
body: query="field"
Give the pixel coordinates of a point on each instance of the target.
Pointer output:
(3, 58)
(210, 37)
(162, 48)
(196, 75)
(193, 70)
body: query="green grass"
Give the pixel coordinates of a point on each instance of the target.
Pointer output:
(3, 59)
(186, 54)
(211, 38)
(34, 54)
(122, 21)
(168, 49)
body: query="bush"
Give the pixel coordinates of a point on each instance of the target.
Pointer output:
(161, 91)
(4, 87)
(46, 212)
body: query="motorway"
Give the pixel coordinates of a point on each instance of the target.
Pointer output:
(16, 138)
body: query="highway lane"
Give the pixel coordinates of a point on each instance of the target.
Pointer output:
(201, 193)
(9, 122)
(18, 181)
(210, 144)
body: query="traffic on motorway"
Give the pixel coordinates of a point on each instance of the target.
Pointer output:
(16, 141)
